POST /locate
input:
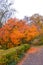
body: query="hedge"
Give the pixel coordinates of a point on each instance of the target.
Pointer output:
(13, 55)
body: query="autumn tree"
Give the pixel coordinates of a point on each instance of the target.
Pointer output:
(16, 32)
(37, 20)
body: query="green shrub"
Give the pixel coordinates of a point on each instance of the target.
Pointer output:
(13, 55)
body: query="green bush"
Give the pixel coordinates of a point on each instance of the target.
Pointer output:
(13, 55)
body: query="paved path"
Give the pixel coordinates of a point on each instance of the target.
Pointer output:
(33, 57)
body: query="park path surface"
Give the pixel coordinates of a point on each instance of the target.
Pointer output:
(34, 56)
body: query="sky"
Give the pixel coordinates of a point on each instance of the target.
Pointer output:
(28, 7)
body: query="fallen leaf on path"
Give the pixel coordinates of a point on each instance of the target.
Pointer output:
(33, 50)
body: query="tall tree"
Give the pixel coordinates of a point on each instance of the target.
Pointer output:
(5, 11)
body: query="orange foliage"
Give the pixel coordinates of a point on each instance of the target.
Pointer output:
(33, 50)
(15, 30)
(15, 36)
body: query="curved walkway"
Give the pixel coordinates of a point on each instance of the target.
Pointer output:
(33, 57)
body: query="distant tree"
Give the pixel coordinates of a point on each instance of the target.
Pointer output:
(27, 19)
(37, 19)
(5, 11)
